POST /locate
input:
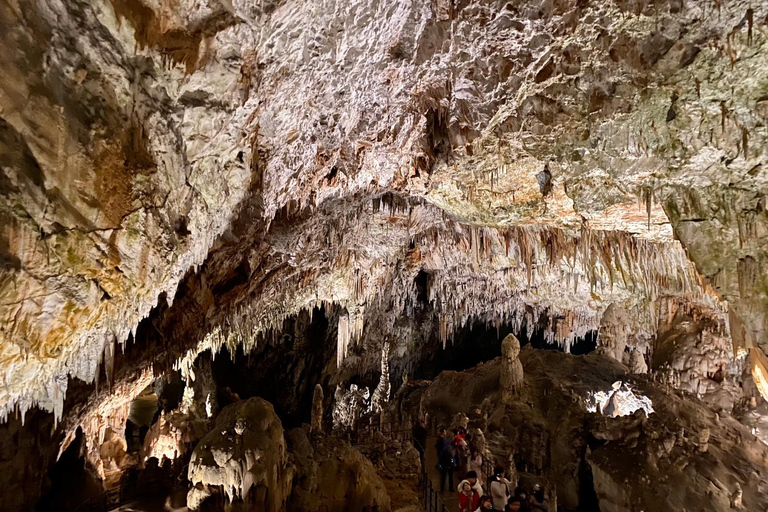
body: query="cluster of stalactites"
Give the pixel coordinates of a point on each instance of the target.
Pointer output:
(350, 330)
(118, 321)
(492, 275)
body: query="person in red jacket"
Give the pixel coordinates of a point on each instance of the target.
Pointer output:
(470, 491)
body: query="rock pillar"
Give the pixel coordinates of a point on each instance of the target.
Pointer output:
(317, 409)
(511, 377)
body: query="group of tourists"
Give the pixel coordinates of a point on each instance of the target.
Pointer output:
(457, 453)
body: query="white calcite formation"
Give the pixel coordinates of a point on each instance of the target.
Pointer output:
(244, 456)
(349, 405)
(619, 401)
(172, 436)
(380, 395)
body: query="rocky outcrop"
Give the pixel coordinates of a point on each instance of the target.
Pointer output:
(245, 456)
(172, 437)
(686, 453)
(692, 356)
(333, 476)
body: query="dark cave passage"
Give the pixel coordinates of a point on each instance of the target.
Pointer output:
(282, 369)
(71, 480)
(478, 343)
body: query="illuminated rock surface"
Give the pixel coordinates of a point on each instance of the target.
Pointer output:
(307, 183)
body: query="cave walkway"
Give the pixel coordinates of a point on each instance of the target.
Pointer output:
(450, 498)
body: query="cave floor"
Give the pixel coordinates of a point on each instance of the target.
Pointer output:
(450, 499)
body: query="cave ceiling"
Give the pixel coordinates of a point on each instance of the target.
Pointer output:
(533, 158)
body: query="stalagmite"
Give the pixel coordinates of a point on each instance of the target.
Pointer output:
(637, 362)
(245, 455)
(511, 375)
(380, 395)
(317, 409)
(737, 497)
(703, 442)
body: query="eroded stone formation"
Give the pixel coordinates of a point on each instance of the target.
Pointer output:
(511, 376)
(330, 193)
(245, 455)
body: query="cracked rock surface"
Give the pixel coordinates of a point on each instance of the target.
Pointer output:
(231, 164)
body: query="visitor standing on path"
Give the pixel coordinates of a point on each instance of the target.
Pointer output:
(499, 489)
(446, 459)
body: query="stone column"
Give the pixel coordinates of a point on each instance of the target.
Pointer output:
(317, 409)
(511, 377)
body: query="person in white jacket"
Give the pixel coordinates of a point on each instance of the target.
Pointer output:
(470, 492)
(499, 489)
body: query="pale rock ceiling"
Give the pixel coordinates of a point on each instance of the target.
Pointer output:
(329, 150)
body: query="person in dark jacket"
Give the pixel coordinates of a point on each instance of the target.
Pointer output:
(446, 459)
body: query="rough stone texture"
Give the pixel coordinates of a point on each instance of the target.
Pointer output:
(691, 355)
(634, 462)
(554, 165)
(511, 376)
(172, 436)
(333, 476)
(135, 135)
(380, 395)
(245, 454)
(317, 409)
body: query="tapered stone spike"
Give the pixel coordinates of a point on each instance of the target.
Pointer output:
(317, 409)
(381, 394)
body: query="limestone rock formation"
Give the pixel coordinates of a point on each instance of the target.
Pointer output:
(172, 436)
(548, 437)
(332, 475)
(182, 177)
(380, 395)
(349, 405)
(317, 409)
(245, 454)
(506, 143)
(637, 362)
(694, 357)
(511, 377)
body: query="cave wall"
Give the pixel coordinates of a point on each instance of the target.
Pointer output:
(137, 137)
(215, 168)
